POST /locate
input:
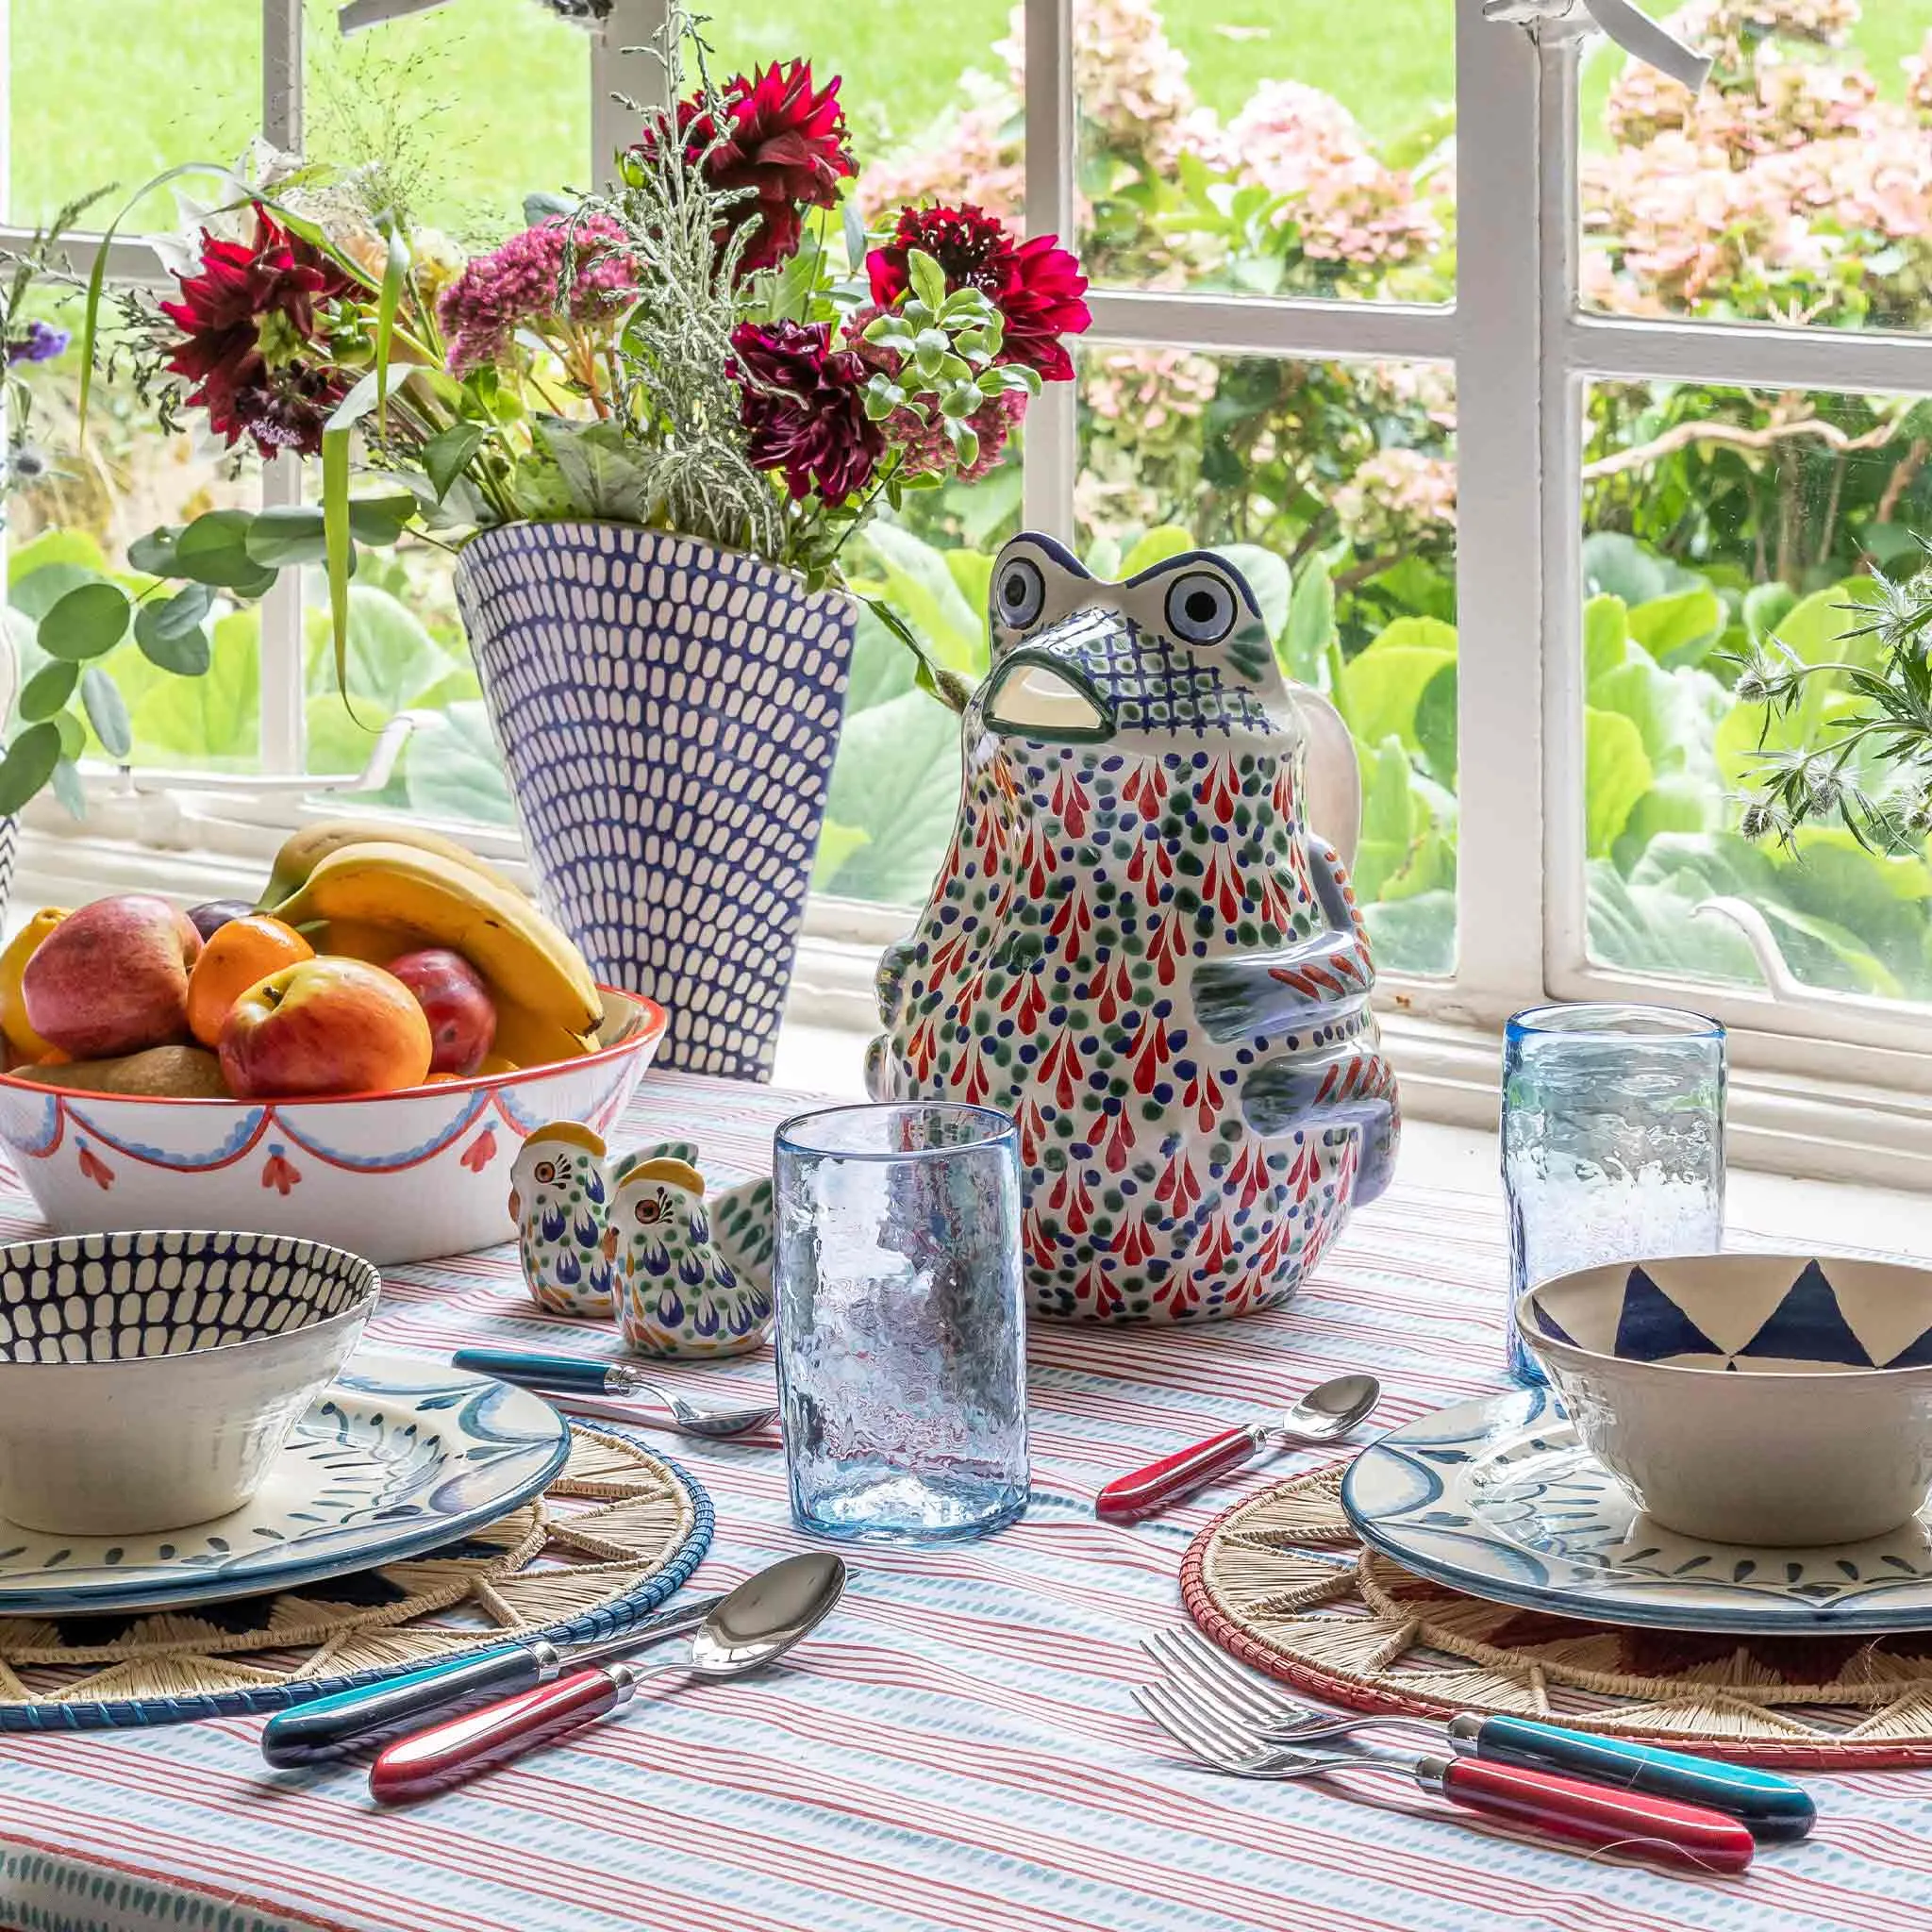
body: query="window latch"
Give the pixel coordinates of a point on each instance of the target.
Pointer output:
(1550, 21)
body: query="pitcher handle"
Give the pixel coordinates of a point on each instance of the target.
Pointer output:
(1332, 799)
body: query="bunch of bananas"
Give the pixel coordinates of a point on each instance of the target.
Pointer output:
(374, 892)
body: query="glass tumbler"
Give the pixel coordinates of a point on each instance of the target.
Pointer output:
(1614, 1141)
(900, 1287)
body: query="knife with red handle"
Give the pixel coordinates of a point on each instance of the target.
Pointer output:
(1128, 1497)
(461, 1747)
(1604, 1817)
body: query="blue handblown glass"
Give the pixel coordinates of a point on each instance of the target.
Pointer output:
(1613, 1142)
(668, 712)
(901, 1329)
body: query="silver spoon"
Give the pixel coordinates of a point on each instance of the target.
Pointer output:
(755, 1623)
(568, 1375)
(1324, 1414)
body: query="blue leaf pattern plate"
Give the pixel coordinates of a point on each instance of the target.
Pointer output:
(1498, 1498)
(397, 1457)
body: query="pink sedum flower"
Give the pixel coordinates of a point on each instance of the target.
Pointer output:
(519, 285)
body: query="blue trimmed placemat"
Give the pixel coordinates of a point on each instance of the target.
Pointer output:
(550, 1569)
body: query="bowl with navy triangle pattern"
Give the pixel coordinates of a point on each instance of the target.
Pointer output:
(1760, 1399)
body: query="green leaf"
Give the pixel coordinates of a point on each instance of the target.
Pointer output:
(447, 453)
(1267, 575)
(73, 734)
(1415, 935)
(1302, 645)
(335, 516)
(599, 469)
(66, 546)
(286, 534)
(1383, 685)
(395, 272)
(390, 659)
(170, 633)
(47, 690)
(1606, 637)
(213, 549)
(1618, 775)
(922, 589)
(897, 781)
(69, 789)
(88, 621)
(1672, 805)
(1435, 726)
(453, 769)
(155, 553)
(1163, 541)
(927, 277)
(837, 844)
(37, 594)
(211, 721)
(378, 521)
(1767, 606)
(1681, 627)
(105, 712)
(29, 765)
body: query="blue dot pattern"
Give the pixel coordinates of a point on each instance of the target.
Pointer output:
(669, 712)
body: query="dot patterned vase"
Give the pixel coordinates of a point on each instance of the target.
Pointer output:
(668, 712)
(1139, 948)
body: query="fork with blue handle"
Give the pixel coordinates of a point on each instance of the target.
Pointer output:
(1773, 1810)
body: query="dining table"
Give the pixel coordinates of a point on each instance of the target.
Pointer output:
(956, 1749)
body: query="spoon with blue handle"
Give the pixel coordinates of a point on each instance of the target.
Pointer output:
(1771, 1808)
(374, 1713)
(569, 1375)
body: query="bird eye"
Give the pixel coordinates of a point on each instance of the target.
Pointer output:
(1200, 608)
(546, 1170)
(1021, 592)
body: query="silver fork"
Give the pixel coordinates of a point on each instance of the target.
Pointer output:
(1595, 1815)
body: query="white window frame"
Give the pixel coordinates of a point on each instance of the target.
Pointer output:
(1825, 1084)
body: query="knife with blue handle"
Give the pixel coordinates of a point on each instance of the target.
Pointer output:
(1775, 1809)
(375, 1713)
(553, 1372)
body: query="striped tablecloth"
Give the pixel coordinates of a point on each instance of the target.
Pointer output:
(955, 1751)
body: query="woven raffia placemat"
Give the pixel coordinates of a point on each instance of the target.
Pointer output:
(1282, 1582)
(610, 1539)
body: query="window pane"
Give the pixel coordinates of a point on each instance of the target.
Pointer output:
(1797, 188)
(1717, 519)
(895, 789)
(925, 91)
(131, 478)
(1341, 475)
(469, 108)
(114, 91)
(1276, 150)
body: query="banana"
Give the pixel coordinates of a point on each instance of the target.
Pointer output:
(303, 851)
(499, 931)
(531, 1041)
(356, 938)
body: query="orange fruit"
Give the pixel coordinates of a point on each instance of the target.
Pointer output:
(20, 949)
(240, 953)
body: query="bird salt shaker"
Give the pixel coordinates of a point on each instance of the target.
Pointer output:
(693, 1275)
(558, 1199)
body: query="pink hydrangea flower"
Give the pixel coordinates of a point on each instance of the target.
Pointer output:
(520, 286)
(1397, 493)
(1918, 79)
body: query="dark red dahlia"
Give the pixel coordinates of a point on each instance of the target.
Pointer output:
(246, 318)
(1043, 300)
(781, 139)
(804, 403)
(971, 246)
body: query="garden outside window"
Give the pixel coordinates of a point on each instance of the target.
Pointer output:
(1528, 388)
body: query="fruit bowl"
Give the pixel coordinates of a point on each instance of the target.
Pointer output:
(395, 1176)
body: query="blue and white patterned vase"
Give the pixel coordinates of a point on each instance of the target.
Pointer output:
(668, 713)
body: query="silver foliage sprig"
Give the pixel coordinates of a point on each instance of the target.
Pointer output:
(673, 387)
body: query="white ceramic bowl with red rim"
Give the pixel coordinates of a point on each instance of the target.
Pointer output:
(392, 1176)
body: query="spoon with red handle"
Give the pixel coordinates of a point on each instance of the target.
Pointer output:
(1323, 1415)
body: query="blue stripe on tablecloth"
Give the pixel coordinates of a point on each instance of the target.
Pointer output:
(957, 1750)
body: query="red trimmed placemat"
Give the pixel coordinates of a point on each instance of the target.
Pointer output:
(1282, 1582)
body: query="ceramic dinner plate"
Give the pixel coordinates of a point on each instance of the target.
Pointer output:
(1498, 1498)
(398, 1456)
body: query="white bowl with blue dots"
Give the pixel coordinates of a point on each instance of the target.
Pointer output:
(149, 1380)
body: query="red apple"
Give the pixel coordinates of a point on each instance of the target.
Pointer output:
(456, 1002)
(112, 978)
(328, 1026)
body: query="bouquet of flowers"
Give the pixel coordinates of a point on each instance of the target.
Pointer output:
(714, 346)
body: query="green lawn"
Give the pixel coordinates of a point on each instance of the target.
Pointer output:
(497, 101)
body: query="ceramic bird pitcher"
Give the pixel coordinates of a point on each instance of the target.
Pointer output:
(1143, 944)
